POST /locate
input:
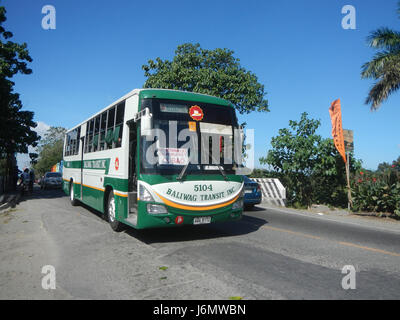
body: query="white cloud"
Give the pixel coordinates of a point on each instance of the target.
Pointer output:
(41, 128)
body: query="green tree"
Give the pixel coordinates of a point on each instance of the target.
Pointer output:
(52, 136)
(382, 167)
(396, 164)
(310, 167)
(385, 65)
(293, 154)
(390, 173)
(264, 173)
(50, 150)
(214, 72)
(33, 156)
(16, 132)
(329, 183)
(386, 166)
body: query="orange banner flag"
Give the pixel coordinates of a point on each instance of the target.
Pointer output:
(337, 131)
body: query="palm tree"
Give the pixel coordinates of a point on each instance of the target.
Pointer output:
(385, 65)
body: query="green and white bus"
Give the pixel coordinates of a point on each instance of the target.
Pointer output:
(157, 158)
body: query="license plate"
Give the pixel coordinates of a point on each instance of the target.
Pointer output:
(248, 191)
(201, 220)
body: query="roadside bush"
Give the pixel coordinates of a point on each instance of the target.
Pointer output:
(377, 192)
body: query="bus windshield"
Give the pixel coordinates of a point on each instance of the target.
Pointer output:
(188, 134)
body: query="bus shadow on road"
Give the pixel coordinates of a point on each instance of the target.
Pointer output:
(244, 226)
(255, 208)
(38, 193)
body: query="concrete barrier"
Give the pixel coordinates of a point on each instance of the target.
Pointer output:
(273, 192)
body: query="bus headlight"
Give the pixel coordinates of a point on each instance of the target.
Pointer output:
(156, 208)
(238, 204)
(144, 194)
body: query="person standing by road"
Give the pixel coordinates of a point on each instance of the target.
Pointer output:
(25, 180)
(25, 175)
(32, 179)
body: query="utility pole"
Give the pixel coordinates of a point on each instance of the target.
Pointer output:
(350, 200)
(349, 147)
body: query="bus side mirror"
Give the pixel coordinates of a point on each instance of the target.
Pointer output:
(241, 132)
(146, 123)
(239, 151)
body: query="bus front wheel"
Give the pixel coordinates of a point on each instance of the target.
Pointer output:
(111, 214)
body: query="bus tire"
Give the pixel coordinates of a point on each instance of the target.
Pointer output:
(72, 198)
(111, 215)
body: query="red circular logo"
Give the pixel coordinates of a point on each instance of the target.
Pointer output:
(196, 113)
(178, 219)
(116, 163)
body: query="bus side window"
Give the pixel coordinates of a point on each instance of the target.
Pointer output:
(110, 128)
(66, 146)
(103, 123)
(73, 137)
(73, 142)
(86, 138)
(78, 139)
(96, 133)
(89, 137)
(119, 121)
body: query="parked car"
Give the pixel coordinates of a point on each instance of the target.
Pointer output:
(51, 179)
(252, 193)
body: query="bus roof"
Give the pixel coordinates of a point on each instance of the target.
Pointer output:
(163, 94)
(182, 95)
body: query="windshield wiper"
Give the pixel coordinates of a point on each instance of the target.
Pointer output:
(221, 169)
(180, 177)
(183, 172)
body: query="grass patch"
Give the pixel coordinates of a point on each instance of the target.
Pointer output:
(236, 298)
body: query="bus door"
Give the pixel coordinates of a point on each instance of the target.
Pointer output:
(132, 174)
(82, 149)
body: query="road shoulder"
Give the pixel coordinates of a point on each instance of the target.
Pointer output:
(342, 216)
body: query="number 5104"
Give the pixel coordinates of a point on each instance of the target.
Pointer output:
(202, 187)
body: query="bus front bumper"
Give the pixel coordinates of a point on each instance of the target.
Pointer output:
(177, 217)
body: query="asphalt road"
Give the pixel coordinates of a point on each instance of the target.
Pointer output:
(270, 254)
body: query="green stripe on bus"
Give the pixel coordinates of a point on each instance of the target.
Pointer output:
(92, 164)
(73, 164)
(117, 184)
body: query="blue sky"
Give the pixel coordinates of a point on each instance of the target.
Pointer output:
(298, 50)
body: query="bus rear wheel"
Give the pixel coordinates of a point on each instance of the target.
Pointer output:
(72, 198)
(111, 213)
